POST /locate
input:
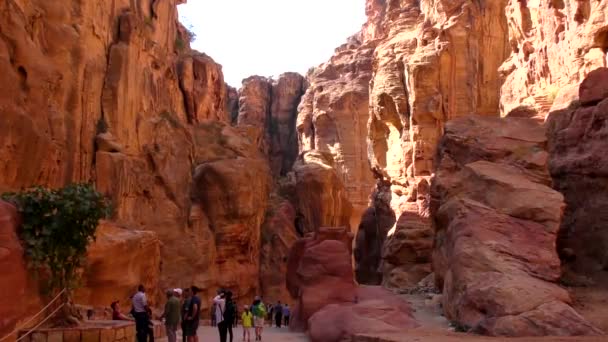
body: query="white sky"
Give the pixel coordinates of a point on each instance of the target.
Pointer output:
(269, 37)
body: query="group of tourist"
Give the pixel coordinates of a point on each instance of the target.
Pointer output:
(225, 315)
(183, 307)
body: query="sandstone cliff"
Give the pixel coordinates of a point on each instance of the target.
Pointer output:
(332, 118)
(109, 92)
(268, 109)
(578, 166)
(554, 44)
(556, 50)
(433, 62)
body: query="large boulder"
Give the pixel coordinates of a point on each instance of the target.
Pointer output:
(319, 273)
(375, 311)
(329, 304)
(496, 223)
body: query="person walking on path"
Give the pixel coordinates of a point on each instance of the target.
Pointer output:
(220, 307)
(185, 307)
(171, 316)
(140, 312)
(247, 321)
(193, 317)
(286, 314)
(278, 314)
(259, 315)
(229, 314)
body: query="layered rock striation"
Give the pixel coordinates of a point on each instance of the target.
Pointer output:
(496, 223)
(332, 118)
(433, 62)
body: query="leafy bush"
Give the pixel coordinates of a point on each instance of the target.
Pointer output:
(57, 226)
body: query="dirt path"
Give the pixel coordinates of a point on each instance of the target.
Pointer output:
(591, 302)
(209, 334)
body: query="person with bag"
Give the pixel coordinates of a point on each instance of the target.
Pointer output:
(220, 308)
(259, 314)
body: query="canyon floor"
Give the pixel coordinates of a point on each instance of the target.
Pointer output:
(591, 301)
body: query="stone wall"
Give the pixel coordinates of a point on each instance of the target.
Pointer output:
(99, 331)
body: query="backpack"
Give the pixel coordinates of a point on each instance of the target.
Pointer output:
(230, 312)
(259, 310)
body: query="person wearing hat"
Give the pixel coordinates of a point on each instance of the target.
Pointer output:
(116, 314)
(171, 315)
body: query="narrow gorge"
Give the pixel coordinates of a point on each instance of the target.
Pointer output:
(439, 178)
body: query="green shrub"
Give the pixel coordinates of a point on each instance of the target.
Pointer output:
(57, 226)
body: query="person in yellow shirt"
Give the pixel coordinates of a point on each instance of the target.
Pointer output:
(247, 321)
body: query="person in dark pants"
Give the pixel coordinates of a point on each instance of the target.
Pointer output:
(286, 313)
(140, 312)
(278, 314)
(229, 313)
(185, 307)
(193, 318)
(220, 307)
(236, 314)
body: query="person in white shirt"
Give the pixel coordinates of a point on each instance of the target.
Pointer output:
(141, 313)
(220, 307)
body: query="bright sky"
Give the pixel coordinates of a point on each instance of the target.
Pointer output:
(269, 37)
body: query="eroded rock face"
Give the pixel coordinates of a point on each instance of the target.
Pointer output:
(109, 92)
(554, 45)
(333, 118)
(278, 236)
(117, 262)
(496, 222)
(321, 198)
(578, 166)
(268, 108)
(230, 210)
(433, 62)
(18, 289)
